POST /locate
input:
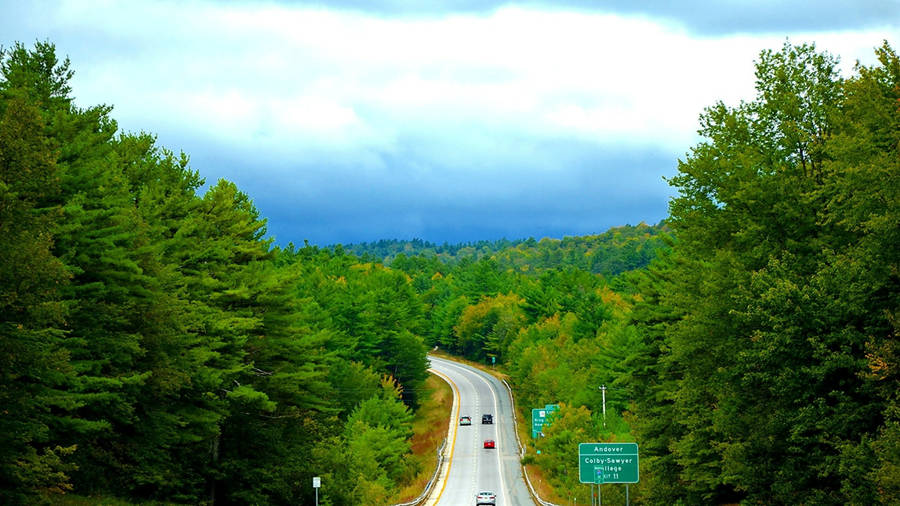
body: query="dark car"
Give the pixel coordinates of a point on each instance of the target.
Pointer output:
(487, 418)
(485, 498)
(489, 443)
(465, 420)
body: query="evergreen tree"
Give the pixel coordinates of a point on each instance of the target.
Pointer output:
(766, 364)
(34, 366)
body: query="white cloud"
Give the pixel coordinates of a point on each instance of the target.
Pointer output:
(298, 78)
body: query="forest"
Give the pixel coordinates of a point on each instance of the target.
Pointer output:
(155, 344)
(611, 253)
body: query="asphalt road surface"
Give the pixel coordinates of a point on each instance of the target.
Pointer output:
(474, 468)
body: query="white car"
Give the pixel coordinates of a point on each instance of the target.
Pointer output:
(485, 498)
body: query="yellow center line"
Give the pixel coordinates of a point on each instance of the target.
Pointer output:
(453, 418)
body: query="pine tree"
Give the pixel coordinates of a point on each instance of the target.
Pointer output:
(34, 366)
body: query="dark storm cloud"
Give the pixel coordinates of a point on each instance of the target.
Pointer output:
(701, 17)
(590, 189)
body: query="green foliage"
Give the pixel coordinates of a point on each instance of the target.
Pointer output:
(153, 343)
(611, 253)
(37, 76)
(570, 427)
(34, 366)
(761, 328)
(487, 328)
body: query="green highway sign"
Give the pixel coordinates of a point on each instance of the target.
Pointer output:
(608, 463)
(539, 418)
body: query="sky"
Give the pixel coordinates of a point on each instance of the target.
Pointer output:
(349, 121)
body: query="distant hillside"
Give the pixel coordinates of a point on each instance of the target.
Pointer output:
(615, 251)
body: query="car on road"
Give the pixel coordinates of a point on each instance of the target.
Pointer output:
(485, 498)
(487, 418)
(489, 443)
(465, 420)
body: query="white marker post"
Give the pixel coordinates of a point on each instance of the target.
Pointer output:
(317, 482)
(603, 389)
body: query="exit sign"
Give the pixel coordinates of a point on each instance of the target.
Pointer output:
(608, 463)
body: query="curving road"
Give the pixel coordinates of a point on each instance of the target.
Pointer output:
(472, 468)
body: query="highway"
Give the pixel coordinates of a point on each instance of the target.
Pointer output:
(472, 468)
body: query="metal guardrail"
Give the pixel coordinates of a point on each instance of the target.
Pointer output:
(437, 469)
(512, 401)
(531, 489)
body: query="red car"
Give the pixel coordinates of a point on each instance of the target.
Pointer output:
(489, 443)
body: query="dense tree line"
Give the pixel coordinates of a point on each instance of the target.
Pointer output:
(153, 342)
(611, 253)
(383, 250)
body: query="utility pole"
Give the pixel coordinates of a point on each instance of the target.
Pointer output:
(603, 389)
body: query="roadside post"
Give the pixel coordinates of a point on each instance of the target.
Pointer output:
(603, 389)
(317, 482)
(598, 479)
